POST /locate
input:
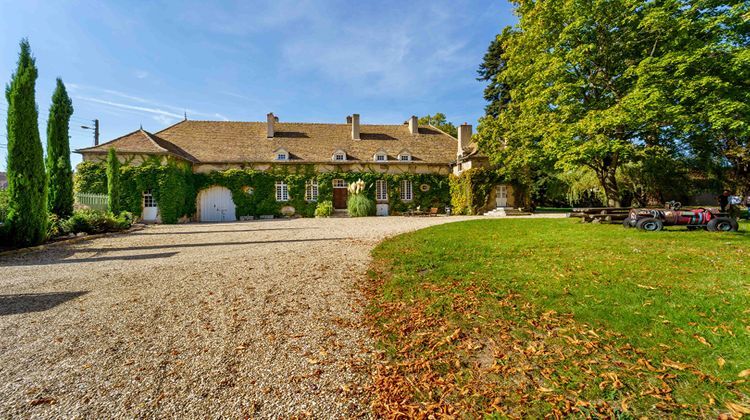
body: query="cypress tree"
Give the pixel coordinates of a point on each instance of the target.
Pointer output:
(58, 153)
(27, 182)
(113, 182)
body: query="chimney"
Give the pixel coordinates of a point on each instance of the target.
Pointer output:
(413, 125)
(271, 120)
(355, 126)
(464, 138)
(348, 119)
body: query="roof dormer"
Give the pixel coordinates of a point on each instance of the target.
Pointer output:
(380, 156)
(281, 154)
(339, 156)
(404, 156)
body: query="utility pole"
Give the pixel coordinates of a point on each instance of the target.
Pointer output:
(96, 131)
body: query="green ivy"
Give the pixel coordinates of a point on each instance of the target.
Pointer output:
(175, 187)
(470, 191)
(90, 177)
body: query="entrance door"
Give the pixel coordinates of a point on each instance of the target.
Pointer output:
(216, 205)
(502, 196)
(150, 208)
(340, 194)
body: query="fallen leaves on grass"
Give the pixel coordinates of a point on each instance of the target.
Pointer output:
(517, 362)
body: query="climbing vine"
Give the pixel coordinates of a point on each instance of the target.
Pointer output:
(470, 191)
(176, 188)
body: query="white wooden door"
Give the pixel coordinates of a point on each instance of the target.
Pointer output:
(216, 205)
(150, 208)
(502, 196)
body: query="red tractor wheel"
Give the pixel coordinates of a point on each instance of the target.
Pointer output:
(650, 224)
(722, 224)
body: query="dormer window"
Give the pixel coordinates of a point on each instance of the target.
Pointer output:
(381, 157)
(404, 157)
(339, 156)
(281, 154)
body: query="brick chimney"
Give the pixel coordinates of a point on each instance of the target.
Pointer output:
(355, 126)
(413, 125)
(464, 138)
(271, 120)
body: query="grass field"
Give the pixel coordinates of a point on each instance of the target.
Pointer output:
(531, 317)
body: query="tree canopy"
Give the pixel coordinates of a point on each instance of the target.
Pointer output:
(609, 84)
(439, 121)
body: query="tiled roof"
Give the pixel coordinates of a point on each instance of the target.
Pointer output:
(224, 141)
(140, 141)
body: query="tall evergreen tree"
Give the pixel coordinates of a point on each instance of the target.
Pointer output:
(113, 182)
(27, 182)
(58, 153)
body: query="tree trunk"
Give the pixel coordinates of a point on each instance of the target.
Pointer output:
(608, 180)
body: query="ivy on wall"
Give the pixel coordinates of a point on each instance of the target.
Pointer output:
(175, 187)
(470, 191)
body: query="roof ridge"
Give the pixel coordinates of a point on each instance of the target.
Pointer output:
(151, 139)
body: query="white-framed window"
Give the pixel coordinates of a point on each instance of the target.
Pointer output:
(311, 190)
(339, 183)
(148, 199)
(381, 157)
(282, 155)
(282, 191)
(407, 193)
(339, 156)
(381, 190)
(404, 157)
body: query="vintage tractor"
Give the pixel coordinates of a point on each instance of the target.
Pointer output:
(653, 220)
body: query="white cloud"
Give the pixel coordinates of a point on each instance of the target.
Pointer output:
(141, 74)
(147, 110)
(138, 104)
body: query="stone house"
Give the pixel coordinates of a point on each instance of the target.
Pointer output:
(215, 146)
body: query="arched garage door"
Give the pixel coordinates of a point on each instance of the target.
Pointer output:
(216, 205)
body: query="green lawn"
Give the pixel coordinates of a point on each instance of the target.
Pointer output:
(527, 317)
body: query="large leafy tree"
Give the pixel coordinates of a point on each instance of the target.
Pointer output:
(440, 121)
(27, 181)
(603, 84)
(711, 82)
(58, 153)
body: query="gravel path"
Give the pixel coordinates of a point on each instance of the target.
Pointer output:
(256, 319)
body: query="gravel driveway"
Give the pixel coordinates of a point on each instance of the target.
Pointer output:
(255, 319)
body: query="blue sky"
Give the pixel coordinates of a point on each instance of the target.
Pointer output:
(129, 63)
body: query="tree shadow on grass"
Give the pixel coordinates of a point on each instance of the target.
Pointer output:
(34, 302)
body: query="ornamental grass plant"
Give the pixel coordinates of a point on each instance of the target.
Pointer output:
(358, 204)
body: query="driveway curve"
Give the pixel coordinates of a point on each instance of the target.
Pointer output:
(251, 319)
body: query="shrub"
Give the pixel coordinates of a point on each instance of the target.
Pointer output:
(324, 209)
(92, 222)
(55, 226)
(360, 206)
